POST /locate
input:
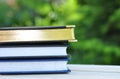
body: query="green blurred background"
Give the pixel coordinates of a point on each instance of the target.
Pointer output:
(97, 24)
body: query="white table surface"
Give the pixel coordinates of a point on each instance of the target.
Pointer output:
(77, 72)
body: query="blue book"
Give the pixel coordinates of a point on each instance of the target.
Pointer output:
(34, 66)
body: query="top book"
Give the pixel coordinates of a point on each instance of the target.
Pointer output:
(29, 34)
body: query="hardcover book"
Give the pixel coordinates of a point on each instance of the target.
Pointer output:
(26, 34)
(33, 52)
(34, 66)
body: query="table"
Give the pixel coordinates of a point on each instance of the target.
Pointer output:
(77, 72)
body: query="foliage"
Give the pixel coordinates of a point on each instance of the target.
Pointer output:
(97, 24)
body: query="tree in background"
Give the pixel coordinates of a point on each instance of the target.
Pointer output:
(98, 32)
(97, 24)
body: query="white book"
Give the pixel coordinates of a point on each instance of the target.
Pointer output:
(32, 66)
(32, 51)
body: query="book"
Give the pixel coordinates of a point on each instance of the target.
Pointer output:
(34, 66)
(33, 50)
(28, 34)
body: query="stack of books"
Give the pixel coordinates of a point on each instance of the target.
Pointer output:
(35, 50)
